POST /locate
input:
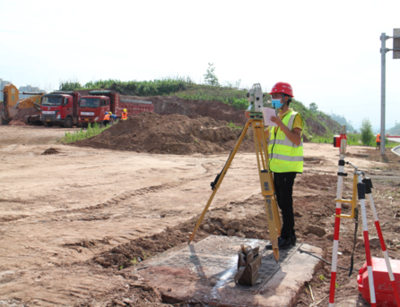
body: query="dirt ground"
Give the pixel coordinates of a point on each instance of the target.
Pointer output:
(73, 218)
(170, 134)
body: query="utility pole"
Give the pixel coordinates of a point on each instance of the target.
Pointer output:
(396, 55)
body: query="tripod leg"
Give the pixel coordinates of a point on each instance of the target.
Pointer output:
(361, 196)
(222, 175)
(266, 186)
(336, 234)
(382, 241)
(271, 181)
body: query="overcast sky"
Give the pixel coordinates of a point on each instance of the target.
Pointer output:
(327, 50)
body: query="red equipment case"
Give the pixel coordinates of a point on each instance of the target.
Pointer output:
(383, 287)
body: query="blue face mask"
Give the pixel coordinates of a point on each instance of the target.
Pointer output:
(276, 103)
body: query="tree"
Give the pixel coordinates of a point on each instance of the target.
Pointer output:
(210, 78)
(367, 137)
(71, 85)
(313, 107)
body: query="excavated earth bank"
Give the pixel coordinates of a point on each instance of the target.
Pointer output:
(194, 108)
(174, 134)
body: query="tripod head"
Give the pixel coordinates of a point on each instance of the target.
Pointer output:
(255, 99)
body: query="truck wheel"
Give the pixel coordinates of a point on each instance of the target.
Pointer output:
(68, 122)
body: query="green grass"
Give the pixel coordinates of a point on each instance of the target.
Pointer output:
(134, 261)
(233, 126)
(84, 134)
(352, 139)
(146, 255)
(227, 94)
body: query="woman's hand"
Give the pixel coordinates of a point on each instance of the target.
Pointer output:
(277, 120)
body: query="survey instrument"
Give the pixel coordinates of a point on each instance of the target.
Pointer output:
(255, 122)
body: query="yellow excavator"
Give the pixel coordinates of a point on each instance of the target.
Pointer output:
(26, 110)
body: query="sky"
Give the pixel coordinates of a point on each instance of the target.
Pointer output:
(327, 50)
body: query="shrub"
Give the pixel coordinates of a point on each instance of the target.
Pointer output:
(367, 136)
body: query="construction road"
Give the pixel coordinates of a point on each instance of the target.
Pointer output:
(51, 206)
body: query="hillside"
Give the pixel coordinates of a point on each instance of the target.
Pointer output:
(395, 130)
(182, 96)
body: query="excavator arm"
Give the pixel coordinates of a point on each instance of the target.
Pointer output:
(21, 109)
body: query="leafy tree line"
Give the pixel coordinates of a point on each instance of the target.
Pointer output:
(137, 88)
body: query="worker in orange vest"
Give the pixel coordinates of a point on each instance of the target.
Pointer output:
(106, 119)
(124, 115)
(378, 141)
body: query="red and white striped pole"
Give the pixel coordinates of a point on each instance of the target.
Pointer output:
(361, 197)
(368, 191)
(338, 212)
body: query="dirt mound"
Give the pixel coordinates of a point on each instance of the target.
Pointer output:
(174, 134)
(17, 122)
(21, 118)
(194, 108)
(165, 105)
(50, 151)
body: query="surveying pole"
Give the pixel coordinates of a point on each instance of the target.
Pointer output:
(396, 55)
(361, 187)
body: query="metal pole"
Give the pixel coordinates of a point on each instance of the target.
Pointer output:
(383, 90)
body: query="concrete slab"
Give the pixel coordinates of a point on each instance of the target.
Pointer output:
(203, 273)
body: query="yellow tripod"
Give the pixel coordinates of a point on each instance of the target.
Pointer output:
(266, 181)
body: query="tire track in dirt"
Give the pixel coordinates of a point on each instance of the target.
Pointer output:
(16, 200)
(94, 213)
(10, 218)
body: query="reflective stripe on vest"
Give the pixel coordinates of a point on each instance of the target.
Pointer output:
(284, 155)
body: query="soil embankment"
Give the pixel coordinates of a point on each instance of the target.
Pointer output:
(217, 110)
(169, 134)
(165, 105)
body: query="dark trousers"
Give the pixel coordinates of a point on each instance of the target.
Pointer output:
(284, 189)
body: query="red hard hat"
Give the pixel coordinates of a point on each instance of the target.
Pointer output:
(282, 88)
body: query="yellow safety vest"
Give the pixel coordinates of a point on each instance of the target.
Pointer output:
(284, 155)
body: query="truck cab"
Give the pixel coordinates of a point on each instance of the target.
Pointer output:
(60, 108)
(92, 109)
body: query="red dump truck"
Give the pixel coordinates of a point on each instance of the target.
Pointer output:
(60, 108)
(69, 108)
(92, 107)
